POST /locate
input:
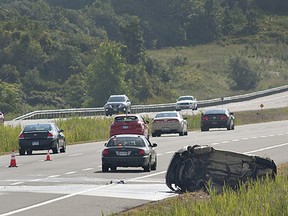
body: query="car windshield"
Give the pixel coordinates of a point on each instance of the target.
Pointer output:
(125, 119)
(126, 141)
(164, 115)
(185, 98)
(116, 99)
(215, 111)
(38, 127)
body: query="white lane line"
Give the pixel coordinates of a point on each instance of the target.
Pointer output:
(245, 138)
(72, 172)
(73, 155)
(235, 140)
(263, 136)
(215, 143)
(267, 148)
(159, 154)
(170, 152)
(253, 137)
(69, 196)
(53, 176)
(17, 183)
(87, 169)
(225, 142)
(272, 135)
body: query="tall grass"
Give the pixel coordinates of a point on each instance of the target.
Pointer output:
(79, 130)
(266, 197)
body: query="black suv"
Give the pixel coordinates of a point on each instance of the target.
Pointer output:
(117, 104)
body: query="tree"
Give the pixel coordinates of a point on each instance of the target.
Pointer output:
(105, 75)
(133, 40)
(243, 75)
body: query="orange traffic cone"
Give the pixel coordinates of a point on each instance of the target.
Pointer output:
(48, 156)
(13, 160)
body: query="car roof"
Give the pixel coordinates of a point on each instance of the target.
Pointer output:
(128, 135)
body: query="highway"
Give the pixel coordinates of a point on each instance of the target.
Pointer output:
(73, 184)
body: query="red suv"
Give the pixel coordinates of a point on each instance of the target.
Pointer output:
(129, 124)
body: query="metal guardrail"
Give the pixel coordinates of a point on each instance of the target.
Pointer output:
(64, 113)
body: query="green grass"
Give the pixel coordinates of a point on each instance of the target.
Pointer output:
(266, 197)
(81, 130)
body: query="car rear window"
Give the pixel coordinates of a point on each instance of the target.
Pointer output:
(126, 119)
(38, 127)
(164, 115)
(185, 98)
(207, 112)
(126, 141)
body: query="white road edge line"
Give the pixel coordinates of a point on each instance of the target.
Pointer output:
(69, 196)
(267, 148)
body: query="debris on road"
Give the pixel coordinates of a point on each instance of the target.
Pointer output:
(196, 167)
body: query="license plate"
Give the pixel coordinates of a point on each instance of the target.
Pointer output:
(35, 143)
(165, 129)
(125, 127)
(115, 109)
(214, 123)
(122, 153)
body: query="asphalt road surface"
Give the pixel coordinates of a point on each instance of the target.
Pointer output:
(72, 183)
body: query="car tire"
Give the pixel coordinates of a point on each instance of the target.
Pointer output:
(147, 168)
(29, 152)
(186, 133)
(55, 150)
(105, 168)
(181, 133)
(63, 149)
(114, 168)
(204, 129)
(21, 152)
(154, 166)
(154, 134)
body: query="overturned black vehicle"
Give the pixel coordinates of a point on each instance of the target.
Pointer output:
(196, 167)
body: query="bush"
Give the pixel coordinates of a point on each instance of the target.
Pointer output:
(243, 75)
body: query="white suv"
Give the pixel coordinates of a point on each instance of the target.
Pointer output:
(186, 102)
(117, 104)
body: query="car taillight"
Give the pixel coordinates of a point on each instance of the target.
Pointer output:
(21, 136)
(141, 152)
(105, 152)
(158, 121)
(172, 120)
(204, 118)
(223, 117)
(49, 135)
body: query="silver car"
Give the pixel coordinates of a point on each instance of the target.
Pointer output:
(117, 104)
(186, 102)
(168, 123)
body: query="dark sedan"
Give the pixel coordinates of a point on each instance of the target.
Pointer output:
(129, 151)
(44, 136)
(217, 118)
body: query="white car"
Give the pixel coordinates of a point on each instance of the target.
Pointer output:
(186, 102)
(169, 122)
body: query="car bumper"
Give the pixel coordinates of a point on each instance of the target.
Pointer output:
(126, 161)
(216, 124)
(115, 110)
(37, 145)
(167, 129)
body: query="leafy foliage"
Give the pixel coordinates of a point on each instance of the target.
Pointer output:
(47, 47)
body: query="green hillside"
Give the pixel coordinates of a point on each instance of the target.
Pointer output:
(69, 53)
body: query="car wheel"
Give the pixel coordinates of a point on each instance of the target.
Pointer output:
(186, 133)
(147, 168)
(105, 168)
(158, 134)
(21, 152)
(29, 152)
(204, 129)
(114, 168)
(56, 149)
(63, 149)
(154, 166)
(153, 134)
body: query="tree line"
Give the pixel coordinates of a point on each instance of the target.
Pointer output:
(71, 53)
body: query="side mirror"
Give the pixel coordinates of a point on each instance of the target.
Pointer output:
(147, 121)
(61, 130)
(231, 113)
(105, 144)
(154, 145)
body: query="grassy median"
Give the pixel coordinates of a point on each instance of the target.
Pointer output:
(81, 130)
